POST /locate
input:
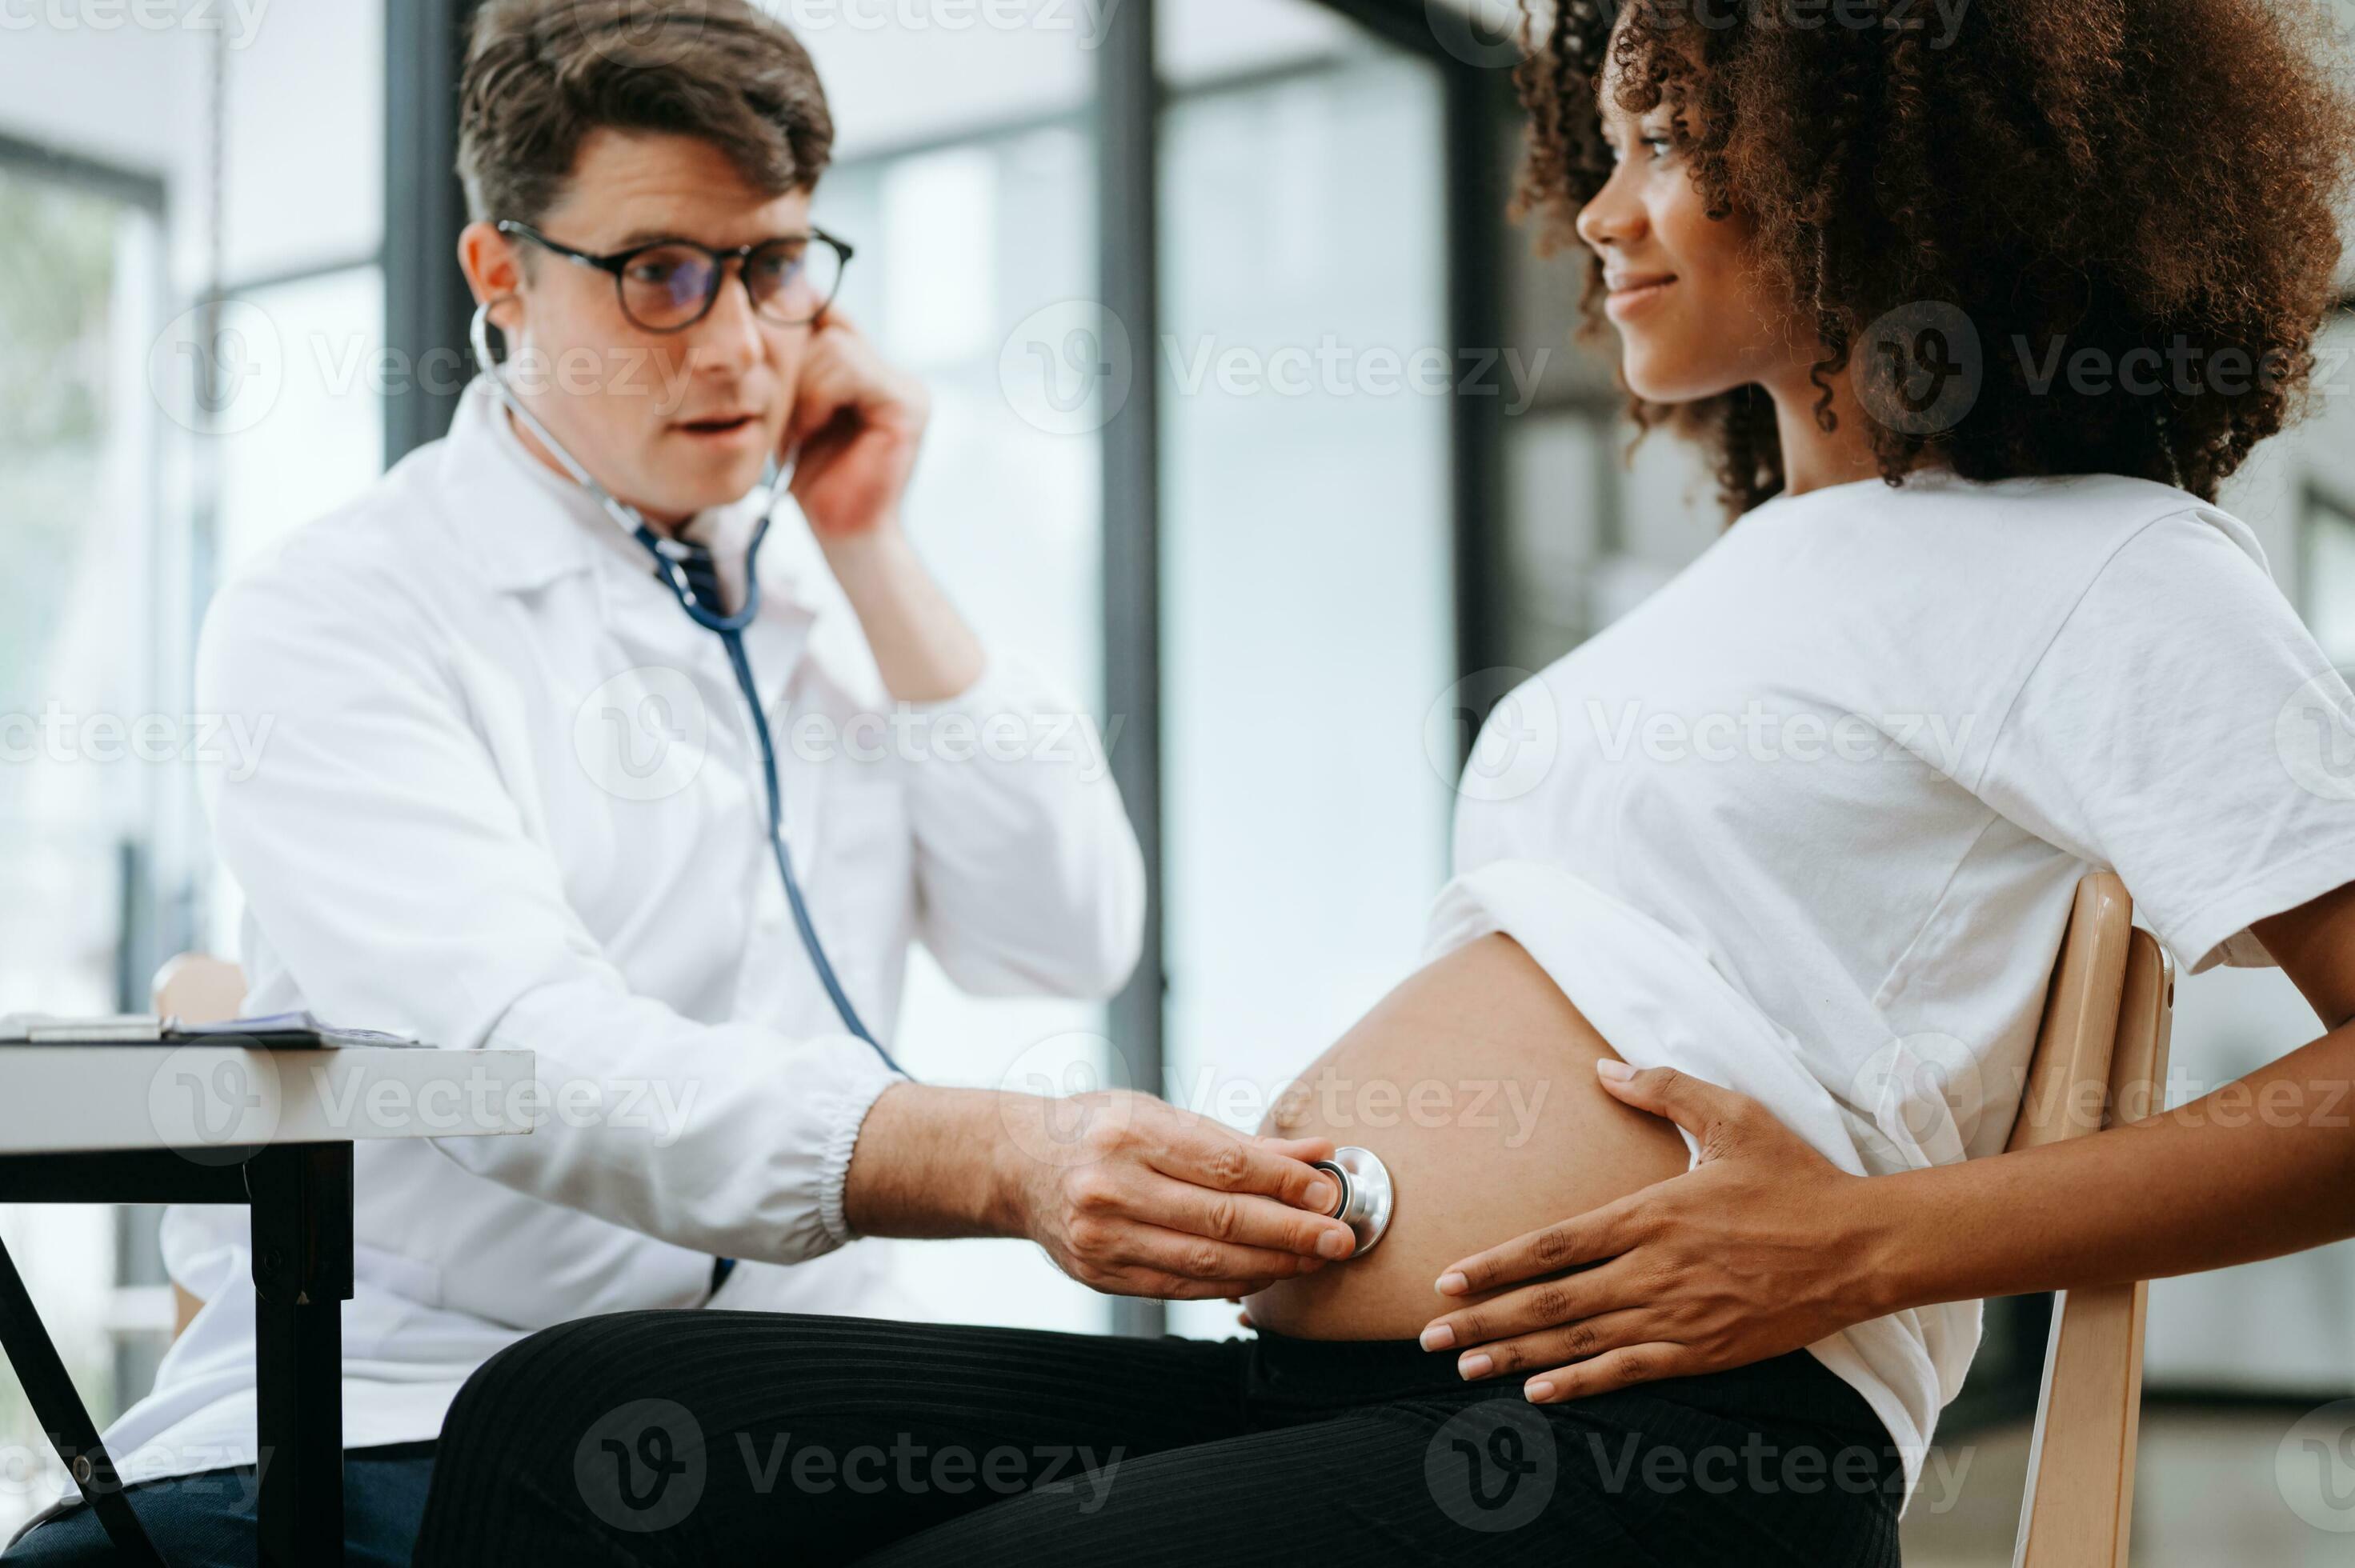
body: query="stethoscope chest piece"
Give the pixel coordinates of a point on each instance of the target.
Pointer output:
(1365, 1193)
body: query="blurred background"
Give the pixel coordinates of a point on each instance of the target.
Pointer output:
(1253, 418)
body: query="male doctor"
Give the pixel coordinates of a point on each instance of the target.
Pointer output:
(465, 826)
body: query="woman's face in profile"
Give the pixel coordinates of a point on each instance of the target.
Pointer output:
(1693, 320)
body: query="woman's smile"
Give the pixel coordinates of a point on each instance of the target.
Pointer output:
(1633, 292)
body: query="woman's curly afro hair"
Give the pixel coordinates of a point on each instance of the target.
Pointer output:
(2120, 175)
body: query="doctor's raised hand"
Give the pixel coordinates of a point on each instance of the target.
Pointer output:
(851, 439)
(850, 444)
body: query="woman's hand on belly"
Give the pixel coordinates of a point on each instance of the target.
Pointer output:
(1474, 1082)
(1761, 1250)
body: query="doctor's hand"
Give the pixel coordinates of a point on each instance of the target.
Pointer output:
(852, 439)
(1759, 1250)
(1132, 1196)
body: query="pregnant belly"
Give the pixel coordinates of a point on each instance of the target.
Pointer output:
(1475, 1082)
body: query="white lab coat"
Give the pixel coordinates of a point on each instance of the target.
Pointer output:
(469, 821)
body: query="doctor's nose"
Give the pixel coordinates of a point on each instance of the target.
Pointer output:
(729, 337)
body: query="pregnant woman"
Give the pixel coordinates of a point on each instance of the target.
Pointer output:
(1972, 324)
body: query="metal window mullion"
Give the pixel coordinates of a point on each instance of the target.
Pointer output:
(426, 304)
(1128, 226)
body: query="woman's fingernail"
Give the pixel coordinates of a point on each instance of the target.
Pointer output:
(1320, 1196)
(1438, 1337)
(1538, 1390)
(1333, 1242)
(1613, 1068)
(1474, 1365)
(1451, 1283)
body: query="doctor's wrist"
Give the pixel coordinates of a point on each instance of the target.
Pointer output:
(922, 647)
(928, 1164)
(1020, 1131)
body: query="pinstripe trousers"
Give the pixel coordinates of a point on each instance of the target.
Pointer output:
(704, 1437)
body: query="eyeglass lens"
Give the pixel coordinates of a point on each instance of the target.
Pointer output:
(792, 281)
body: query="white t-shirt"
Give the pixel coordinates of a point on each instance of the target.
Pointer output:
(1808, 822)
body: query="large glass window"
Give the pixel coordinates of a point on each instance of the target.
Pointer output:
(2325, 555)
(1306, 378)
(958, 245)
(138, 459)
(304, 139)
(313, 437)
(75, 441)
(85, 739)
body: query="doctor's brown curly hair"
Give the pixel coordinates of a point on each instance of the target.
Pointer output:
(2120, 176)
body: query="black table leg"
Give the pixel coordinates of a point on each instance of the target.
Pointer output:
(302, 1197)
(66, 1419)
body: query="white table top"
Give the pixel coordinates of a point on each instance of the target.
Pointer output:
(56, 1099)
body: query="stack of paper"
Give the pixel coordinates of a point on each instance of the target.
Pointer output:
(42, 1028)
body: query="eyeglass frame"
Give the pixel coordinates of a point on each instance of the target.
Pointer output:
(617, 263)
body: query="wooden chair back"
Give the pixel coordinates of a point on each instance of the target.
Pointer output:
(2101, 1058)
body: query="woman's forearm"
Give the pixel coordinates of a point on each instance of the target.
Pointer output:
(2261, 1167)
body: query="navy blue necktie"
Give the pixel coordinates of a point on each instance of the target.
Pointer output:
(702, 570)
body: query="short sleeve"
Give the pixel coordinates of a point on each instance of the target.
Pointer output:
(2183, 729)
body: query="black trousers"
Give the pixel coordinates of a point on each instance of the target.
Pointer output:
(720, 1437)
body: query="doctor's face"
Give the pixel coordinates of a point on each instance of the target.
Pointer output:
(671, 422)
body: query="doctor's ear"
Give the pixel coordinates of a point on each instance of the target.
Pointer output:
(492, 264)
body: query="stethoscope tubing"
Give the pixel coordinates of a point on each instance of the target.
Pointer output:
(729, 628)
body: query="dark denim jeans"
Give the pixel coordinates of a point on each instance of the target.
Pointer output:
(205, 1520)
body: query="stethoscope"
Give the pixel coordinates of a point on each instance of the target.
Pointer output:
(1366, 1194)
(668, 555)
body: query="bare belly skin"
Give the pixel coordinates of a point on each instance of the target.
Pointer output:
(1475, 1082)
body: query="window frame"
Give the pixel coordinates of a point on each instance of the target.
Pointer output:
(150, 920)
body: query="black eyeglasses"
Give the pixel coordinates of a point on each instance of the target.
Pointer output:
(669, 285)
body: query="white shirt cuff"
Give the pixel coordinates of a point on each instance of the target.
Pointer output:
(857, 1099)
